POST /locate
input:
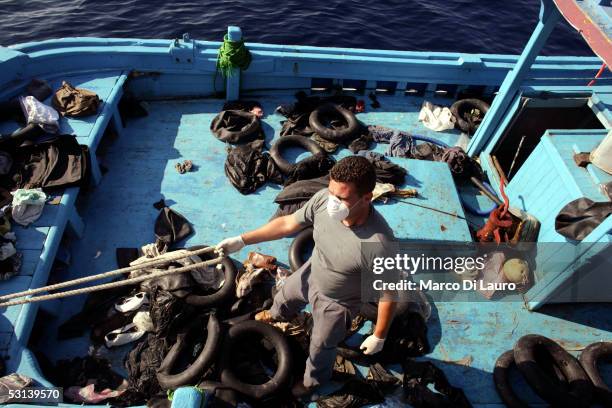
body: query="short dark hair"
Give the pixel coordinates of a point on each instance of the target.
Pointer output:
(357, 170)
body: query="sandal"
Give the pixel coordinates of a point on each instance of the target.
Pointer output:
(131, 303)
(123, 335)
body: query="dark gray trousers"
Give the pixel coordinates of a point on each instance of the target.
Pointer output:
(331, 321)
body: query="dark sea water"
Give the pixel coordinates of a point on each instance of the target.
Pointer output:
(477, 26)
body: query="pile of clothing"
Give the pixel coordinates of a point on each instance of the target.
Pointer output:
(407, 339)
(36, 161)
(140, 320)
(402, 144)
(248, 166)
(465, 115)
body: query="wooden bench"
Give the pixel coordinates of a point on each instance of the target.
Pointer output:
(90, 129)
(40, 241)
(38, 244)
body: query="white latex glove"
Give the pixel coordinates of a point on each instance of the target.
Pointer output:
(230, 245)
(372, 345)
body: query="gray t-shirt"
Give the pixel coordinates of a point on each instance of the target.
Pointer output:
(337, 257)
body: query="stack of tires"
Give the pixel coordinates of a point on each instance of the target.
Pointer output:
(221, 338)
(320, 122)
(553, 373)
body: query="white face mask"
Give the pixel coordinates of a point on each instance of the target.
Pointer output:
(336, 209)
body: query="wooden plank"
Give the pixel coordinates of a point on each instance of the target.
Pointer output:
(31, 237)
(48, 216)
(29, 260)
(9, 316)
(5, 339)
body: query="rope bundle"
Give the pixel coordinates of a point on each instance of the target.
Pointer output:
(232, 54)
(160, 260)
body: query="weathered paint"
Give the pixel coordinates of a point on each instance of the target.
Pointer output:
(591, 18)
(141, 169)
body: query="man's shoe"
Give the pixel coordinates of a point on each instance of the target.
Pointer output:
(265, 316)
(300, 391)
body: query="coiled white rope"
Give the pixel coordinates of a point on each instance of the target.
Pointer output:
(160, 260)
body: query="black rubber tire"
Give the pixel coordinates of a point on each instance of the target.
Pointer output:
(232, 321)
(297, 248)
(225, 293)
(246, 134)
(292, 140)
(369, 310)
(502, 382)
(588, 360)
(283, 371)
(191, 375)
(333, 135)
(464, 104)
(238, 318)
(580, 389)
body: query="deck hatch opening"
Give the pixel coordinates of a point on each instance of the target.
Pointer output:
(415, 89)
(386, 87)
(446, 90)
(321, 84)
(531, 122)
(354, 85)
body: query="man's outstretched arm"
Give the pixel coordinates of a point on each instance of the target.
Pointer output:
(277, 228)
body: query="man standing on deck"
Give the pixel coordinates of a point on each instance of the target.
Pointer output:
(343, 218)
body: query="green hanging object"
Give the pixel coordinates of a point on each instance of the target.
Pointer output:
(232, 54)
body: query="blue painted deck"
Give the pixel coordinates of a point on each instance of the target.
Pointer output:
(119, 213)
(466, 337)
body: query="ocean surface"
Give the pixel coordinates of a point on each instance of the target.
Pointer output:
(476, 26)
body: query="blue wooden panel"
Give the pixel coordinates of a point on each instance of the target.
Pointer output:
(11, 314)
(287, 62)
(13, 63)
(184, 84)
(542, 186)
(31, 237)
(5, 340)
(38, 245)
(48, 216)
(29, 260)
(483, 331)
(175, 131)
(549, 179)
(16, 284)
